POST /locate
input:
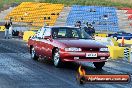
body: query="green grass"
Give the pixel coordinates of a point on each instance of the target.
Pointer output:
(115, 3)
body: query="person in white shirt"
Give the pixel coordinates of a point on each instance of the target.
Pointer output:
(10, 30)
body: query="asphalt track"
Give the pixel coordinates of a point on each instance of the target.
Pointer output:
(18, 70)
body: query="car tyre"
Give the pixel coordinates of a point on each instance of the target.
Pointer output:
(99, 65)
(56, 58)
(33, 54)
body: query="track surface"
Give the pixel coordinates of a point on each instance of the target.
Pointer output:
(17, 70)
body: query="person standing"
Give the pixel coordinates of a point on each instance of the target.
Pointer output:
(89, 29)
(7, 26)
(10, 30)
(78, 24)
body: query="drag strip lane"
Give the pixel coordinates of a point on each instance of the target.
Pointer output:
(25, 73)
(39, 72)
(30, 71)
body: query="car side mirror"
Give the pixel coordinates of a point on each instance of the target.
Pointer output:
(47, 38)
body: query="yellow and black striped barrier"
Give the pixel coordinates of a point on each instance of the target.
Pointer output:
(128, 54)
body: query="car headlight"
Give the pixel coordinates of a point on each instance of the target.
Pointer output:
(73, 49)
(104, 49)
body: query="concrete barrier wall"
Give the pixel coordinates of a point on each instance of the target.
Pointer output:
(107, 41)
(28, 34)
(116, 52)
(125, 41)
(2, 28)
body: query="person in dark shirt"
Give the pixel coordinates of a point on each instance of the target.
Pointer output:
(7, 26)
(78, 24)
(89, 29)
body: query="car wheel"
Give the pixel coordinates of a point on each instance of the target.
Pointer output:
(56, 58)
(99, 65)
(33, 54)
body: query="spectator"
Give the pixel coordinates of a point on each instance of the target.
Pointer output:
(78, 24)
(92, 10)
(105, 17)
(10, 30)
(7, 26)
(89, 29)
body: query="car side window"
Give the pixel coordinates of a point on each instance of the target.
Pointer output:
(59, 33)
(47, 32)
(39, 34)
(74, 33)
(62, 33)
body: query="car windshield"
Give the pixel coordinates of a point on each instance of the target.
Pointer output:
(67, 32)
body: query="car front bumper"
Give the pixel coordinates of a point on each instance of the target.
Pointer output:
(81, 56)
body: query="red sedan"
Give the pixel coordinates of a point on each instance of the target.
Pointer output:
(67, 44)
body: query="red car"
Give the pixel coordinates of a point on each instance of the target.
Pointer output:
(67, 44)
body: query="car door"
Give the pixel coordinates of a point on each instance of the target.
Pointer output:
(37, 44)
(46, 44)
(32, 39)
